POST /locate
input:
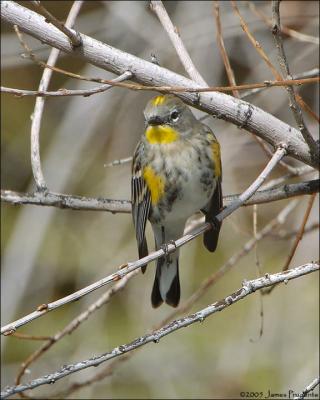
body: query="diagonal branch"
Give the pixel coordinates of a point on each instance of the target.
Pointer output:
(297, 240)
(74, 37)
(170, 248)
(173, 33)
(248, 287)
(71, 326)
(288, 31)
(296, 110)
(236, 111)
(223, 52)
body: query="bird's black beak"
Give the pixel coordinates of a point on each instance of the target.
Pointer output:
(155, 120)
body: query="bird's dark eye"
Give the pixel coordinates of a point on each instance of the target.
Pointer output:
(174, 116)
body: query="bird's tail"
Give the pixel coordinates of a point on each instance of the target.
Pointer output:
(166, 285)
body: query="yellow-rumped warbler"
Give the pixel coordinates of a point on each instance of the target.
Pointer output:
(176, 171)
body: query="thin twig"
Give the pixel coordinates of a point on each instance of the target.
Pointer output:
(314, 72)
(173, 33)
(248, 287)
(307, 108)
(66, 201)
(223, 52)
(255, 43)
(170, 247)
(24, 336)
(258, 267)
(119, 162)
(297, 239)
(308, 389)
(278, 155)
(66, 92)
(296, 110)
(300, 232)
(285, 235)
(74, 324)
(74, 37)
(303, 37)
(39, 105)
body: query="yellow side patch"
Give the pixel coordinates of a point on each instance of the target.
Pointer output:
(155, 184)
(215, 147)
(161, 134)
(158, 100)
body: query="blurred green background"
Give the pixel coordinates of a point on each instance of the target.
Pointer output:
(48, 253)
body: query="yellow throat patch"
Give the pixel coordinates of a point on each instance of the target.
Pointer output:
(161, 134)
(155, 184)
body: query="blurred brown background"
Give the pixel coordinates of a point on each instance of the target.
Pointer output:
(48, 253)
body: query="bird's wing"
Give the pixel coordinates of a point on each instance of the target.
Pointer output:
(215, 204)
(141, 200)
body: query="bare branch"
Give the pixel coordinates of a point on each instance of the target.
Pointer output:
(248, 287)
(67, 92)
(284, 235)
(74, 37)
(74, 324)
(220, 105)
(308, 389)
(255, 43)
(297, 239)
(220, 41)
(296, 110)
(24, 336)
(39, 105)
(307, 74)
(119, 162)
(124, 206)
(288, 31)
(173, 33)
(170, 248)
(278, 155)
(254, 87)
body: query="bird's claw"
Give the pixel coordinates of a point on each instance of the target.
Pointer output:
(165, 249)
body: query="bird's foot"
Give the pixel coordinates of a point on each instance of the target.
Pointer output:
(165, 249)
